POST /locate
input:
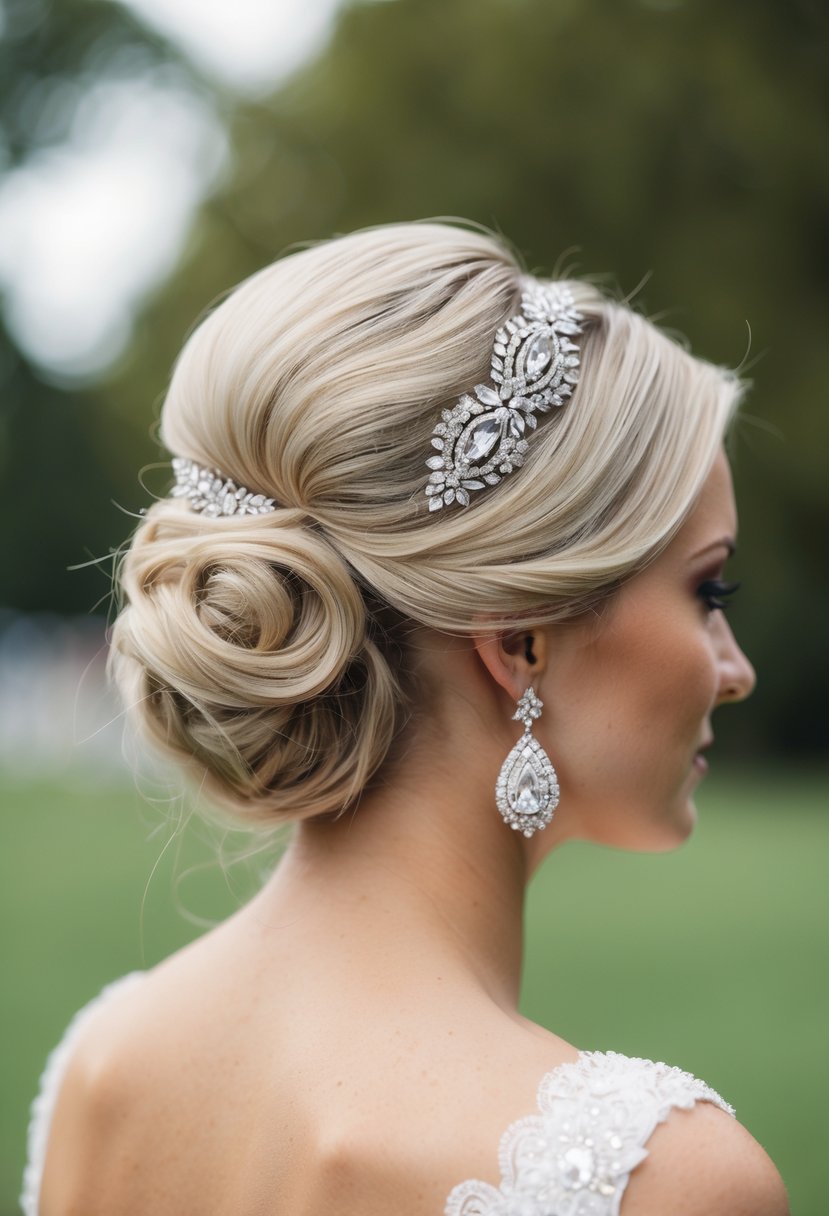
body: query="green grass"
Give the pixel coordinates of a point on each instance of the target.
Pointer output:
(713, 957)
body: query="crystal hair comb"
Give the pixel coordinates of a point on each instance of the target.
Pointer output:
(535, 365)
(211, 493)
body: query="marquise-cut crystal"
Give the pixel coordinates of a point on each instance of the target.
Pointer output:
(480, 441)
(487, 395)
(539, 355)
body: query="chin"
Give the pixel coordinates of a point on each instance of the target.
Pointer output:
(658, 826)
(678, 829)
(668, 830)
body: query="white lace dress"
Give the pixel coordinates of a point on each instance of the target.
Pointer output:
(573, 1158)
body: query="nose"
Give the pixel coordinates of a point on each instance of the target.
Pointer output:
(737, 676)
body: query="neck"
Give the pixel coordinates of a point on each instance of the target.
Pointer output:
(423, 877)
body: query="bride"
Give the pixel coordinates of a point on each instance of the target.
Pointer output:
(440, 582)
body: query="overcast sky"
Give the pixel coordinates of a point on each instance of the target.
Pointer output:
(87, 229)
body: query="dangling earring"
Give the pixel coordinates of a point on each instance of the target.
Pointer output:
(527, 790)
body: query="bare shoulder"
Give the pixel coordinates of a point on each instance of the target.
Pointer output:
(92, 1102)
(138, 1062)
(170, 1051)
(702, 1162)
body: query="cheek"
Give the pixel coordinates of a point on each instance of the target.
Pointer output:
(627, 715)
(656, 680)
(680, 679)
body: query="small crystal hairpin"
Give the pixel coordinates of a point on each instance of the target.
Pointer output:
(535, 364)
(211, 493)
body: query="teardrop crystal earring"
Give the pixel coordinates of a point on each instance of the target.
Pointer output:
(527, 790)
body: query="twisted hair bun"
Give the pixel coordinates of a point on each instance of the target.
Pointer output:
(246, 645)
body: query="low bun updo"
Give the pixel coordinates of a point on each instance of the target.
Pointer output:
(268, 652)
(247, 647)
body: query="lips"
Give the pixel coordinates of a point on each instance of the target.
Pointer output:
(699, 762)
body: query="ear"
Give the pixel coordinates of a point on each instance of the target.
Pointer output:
(515, 659)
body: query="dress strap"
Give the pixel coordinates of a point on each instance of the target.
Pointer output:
(43, 1105)
(577, 1154)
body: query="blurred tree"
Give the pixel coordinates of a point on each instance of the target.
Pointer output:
(64, 455)
(50, 460)
(690, 140)
(51, 53)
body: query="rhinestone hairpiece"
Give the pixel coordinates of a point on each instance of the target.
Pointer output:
(211, 493)
(535, 364)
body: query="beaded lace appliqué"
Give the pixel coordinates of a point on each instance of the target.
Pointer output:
(576, 1156)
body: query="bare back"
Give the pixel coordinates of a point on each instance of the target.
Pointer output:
(254, 1087)
(235, 1079)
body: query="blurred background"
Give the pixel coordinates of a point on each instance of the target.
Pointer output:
(153, 153)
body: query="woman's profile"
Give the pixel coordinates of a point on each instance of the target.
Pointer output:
(440, 583)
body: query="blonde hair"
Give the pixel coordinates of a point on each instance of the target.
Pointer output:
(268, 652)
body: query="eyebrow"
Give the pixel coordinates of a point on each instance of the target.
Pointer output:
(726, 542)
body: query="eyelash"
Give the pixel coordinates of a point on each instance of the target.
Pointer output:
(715, 593)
